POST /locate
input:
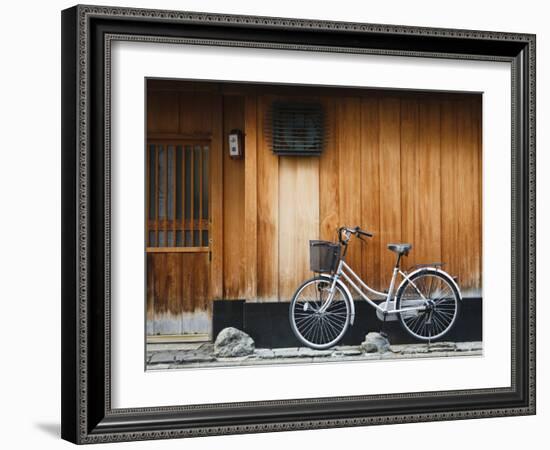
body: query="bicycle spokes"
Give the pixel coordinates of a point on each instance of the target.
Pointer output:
(440, 310)
(316, 322)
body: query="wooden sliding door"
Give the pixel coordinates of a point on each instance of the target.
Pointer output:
(178, 235)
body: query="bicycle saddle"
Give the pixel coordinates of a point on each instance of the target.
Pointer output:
(402, 249)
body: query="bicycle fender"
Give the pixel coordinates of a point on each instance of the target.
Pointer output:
(348, 293)
(440, 272)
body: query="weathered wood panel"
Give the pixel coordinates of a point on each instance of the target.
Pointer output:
(390, 183)
(461, 191)
(150, 297)
(162, 112)
(370, 191)
(250, 199)
(298, 220)
(178, 293)
(268, 210)
(409, 173)
(349, 188)
(426, 184)
(476, 275)
(197, 112)
(450, 160)
(216, 235)
(329, 176)
(234, 260)
(468, 212)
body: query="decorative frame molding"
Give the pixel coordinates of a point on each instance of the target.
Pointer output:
(87, 34)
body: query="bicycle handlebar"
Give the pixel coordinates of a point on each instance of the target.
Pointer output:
(356, 231)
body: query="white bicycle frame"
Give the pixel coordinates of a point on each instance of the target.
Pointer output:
(346, 272)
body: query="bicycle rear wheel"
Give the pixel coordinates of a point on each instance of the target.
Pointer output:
(314, 328)
(441, 312)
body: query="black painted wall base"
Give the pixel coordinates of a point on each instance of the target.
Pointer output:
(268, 324)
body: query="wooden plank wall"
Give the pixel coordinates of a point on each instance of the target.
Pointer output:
(406, 167)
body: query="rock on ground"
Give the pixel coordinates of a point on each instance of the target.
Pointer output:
(233, 342)
(375, 343)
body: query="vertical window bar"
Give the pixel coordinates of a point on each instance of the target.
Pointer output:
(188, 195)
(174, 194)
(205, 195)
(165, 225)
(157, 196)
(179, 197)
(169, 194)
(198, 147)
(148, 194)
(192, 209)
(151, 173)
(196, 194)
(162, 196)
(182, 196)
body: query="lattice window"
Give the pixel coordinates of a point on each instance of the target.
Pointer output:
(178, 206)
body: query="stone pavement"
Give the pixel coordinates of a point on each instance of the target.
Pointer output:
(197, 355)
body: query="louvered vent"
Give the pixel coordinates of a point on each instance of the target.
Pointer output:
(296, 128)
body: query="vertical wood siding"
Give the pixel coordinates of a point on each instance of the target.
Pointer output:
(404, 167)
(389, 176)
(370, 189)
(268, 209)
(234, 258)
(349, 170)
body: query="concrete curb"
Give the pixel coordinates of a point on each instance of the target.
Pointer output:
(203, 357)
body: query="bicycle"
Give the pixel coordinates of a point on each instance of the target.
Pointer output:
(427, 301)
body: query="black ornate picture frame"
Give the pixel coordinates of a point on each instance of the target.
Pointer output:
(87, 34)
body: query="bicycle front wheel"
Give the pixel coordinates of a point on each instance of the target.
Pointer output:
(441, 300)
(315, 327)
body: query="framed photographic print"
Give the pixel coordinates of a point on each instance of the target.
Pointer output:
(283, 224)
